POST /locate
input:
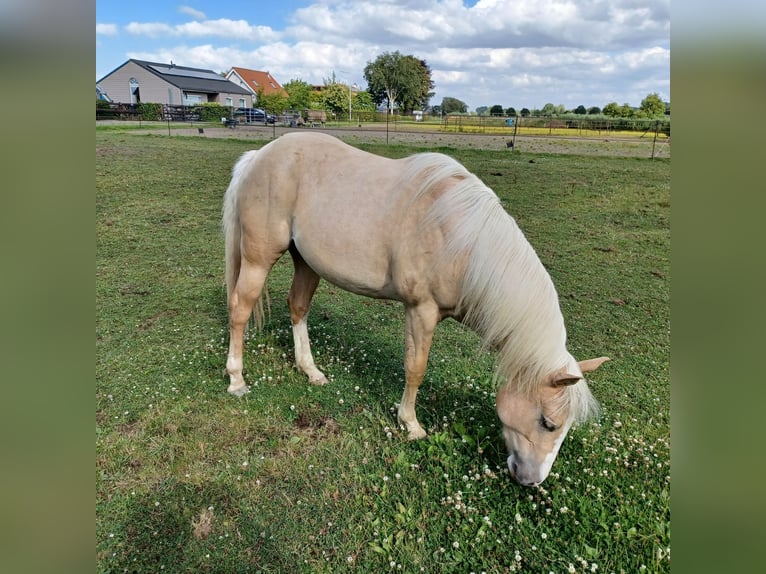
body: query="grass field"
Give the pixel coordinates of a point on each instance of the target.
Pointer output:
(297, 478)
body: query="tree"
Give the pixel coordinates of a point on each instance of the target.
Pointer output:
(436, 110)
(420, 97)
(336, 98)
(299, 94)
(482, 110)
(397, 79)
(626, 111)
(548, 110)
(580, 110)
(653, 106)
(496, 110)
(612, 109)
(272, 103)
(594, 111)
(525, 113)
(453, 106)
(363, 101)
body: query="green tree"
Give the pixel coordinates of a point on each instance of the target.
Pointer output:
(299, 94)
(653, 106)
(580, 110)
(363, 101)
(594, 111)
(612, 109)
(453, 106)
(397, 79)
(626, 111)
(336, 98)
(420, 97)
(525, 113)
(511, 112)
(272, 103)
(548, 110)
(482, 110)
(496, 110)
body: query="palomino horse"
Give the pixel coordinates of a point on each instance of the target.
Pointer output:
(420, 230)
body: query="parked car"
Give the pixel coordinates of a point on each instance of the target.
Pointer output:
(255, 115)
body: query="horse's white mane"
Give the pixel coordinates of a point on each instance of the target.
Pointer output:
(507, 295)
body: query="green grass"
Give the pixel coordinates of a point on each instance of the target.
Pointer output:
(297, 478)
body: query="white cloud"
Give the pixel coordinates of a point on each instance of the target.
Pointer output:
(151, 29)
(194, 13)
(223, 28)
(106, 29)
(509, 52)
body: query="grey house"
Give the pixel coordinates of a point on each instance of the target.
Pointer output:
(140, 81)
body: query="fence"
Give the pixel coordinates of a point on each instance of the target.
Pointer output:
(555, 126)
(160, 112)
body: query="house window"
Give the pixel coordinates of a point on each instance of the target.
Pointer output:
(135, 93)
(191, 99)
(229, 102)
(241, 102)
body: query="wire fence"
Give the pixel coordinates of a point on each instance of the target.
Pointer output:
(654, 131)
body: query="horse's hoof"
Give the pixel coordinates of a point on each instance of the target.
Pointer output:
(320, 381)
(416, 434)
(239, 391)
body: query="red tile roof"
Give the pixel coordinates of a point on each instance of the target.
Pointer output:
(256, 80)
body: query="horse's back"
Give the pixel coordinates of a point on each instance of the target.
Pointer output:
(346, 211)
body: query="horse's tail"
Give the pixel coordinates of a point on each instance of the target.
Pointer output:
(232, 231)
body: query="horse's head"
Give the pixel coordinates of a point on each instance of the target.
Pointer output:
(535, 426)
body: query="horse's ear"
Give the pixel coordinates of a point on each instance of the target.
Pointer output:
(591, 364)
(563, 378)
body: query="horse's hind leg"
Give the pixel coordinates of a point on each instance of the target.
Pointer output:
(305, 282)
(243, 298)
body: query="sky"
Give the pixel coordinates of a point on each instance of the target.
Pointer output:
(515, 53)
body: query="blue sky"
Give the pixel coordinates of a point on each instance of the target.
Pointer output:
(516, 53)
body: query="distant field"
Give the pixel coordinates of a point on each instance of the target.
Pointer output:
(297, 478)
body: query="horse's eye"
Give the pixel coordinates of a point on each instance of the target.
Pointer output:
(548, 424)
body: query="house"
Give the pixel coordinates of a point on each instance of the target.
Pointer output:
(138, 81)
(255, 81)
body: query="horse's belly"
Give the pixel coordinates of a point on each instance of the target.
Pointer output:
(354, 265)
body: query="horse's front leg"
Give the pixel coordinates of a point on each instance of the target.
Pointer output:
(421, 320)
